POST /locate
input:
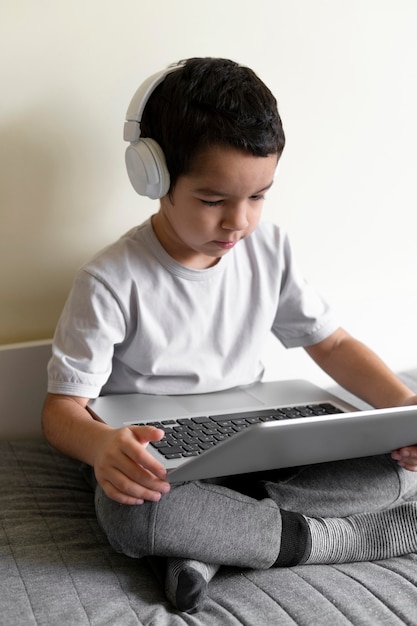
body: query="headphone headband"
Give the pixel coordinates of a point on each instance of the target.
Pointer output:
(137, 104)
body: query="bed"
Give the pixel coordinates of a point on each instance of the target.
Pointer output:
(56, 566)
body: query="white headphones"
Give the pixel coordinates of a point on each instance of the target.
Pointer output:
(145, 160)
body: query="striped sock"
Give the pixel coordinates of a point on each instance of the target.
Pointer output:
(364, 537)
(361, 537)
(186, 583)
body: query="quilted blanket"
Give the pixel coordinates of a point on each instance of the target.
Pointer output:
(56, 567)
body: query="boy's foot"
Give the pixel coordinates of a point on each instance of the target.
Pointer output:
(186, 583)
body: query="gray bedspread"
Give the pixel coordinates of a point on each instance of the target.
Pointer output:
(56, 567)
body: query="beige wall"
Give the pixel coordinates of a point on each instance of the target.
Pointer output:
(343, 72)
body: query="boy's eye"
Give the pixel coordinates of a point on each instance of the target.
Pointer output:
(214, 203)
(211, 202)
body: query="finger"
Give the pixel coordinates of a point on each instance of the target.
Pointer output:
(137, 467)
(405, 453)
(411, 401)
(125, 476)
(122, 488)
(142, 457)
(121, 497)
(407, 450)
(407, 466)
(145, 478)
(406, 457)
(144, 434)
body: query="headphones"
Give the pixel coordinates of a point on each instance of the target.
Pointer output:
(145, 160)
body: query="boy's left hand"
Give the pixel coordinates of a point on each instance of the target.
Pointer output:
(407, 457)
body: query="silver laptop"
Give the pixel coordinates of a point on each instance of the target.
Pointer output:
(264, 426)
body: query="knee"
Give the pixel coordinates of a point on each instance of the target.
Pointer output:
(126, 527)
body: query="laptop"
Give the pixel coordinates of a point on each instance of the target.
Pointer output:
(264, 426)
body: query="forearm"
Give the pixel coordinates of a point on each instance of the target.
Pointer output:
(70, 428)
(359, 370)
(127, 472)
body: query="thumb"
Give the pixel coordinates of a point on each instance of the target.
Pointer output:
(144, 434)
(411, 401)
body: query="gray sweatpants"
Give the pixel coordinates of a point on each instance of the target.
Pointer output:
(236, 520)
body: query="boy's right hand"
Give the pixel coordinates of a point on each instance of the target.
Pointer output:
(126, 471)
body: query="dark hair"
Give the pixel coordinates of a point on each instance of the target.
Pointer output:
(211, 101)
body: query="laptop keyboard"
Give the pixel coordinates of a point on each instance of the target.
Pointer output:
(191, 436)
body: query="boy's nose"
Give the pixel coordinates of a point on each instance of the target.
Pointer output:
(235, 218)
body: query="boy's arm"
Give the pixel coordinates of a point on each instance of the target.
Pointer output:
(359, 370)
(122, 465)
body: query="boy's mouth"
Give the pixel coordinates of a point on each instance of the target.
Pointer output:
(225, 245)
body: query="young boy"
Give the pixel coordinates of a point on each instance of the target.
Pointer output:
(184, 304)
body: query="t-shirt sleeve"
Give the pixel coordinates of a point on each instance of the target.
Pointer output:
(303, 317)
(91, 324)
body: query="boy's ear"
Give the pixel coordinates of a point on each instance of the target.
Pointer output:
(145, 160)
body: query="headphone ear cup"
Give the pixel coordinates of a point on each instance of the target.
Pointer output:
(147, 169)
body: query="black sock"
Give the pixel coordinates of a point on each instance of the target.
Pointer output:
(295, 540)
(186, 583)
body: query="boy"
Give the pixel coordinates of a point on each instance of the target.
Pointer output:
(183, 304)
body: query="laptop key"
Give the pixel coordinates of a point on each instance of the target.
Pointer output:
(330, 408)
(190, 440)
(170, 450)
(180, 429)
(199, 427)
(290, 413)
(245, 415)
(237, 428)
(210, 431)
(201, 419)
(206, 446)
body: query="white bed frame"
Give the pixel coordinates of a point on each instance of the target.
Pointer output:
(22, 388)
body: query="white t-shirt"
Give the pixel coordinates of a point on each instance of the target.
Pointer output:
(138, 321)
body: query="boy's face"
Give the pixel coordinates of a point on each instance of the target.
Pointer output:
(214, 206)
